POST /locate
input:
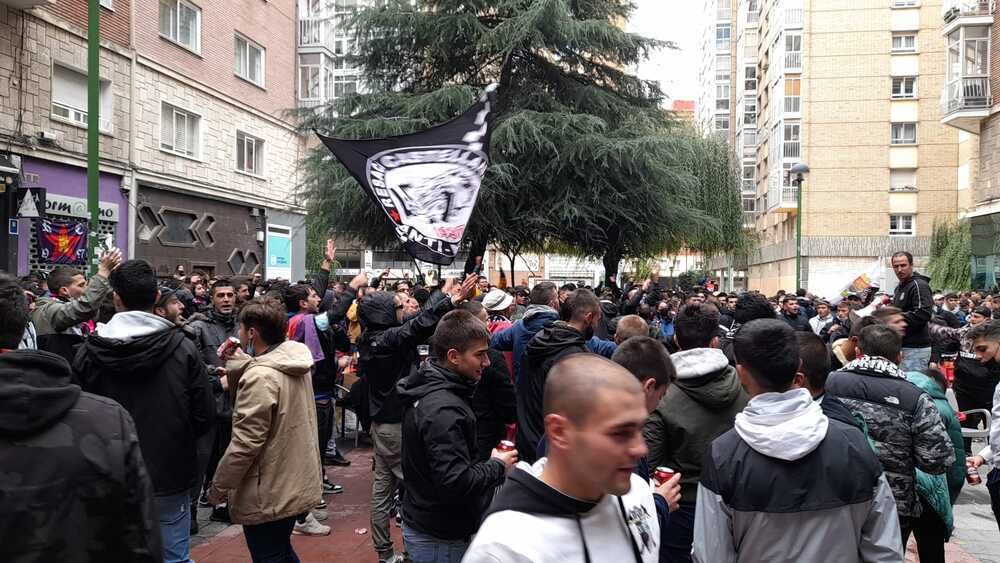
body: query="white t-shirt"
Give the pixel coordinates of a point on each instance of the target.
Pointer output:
(512, 536)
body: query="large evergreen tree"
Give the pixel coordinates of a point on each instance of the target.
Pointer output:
(582, 154)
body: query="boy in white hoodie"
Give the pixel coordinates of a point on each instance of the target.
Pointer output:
(583, 502)
(788, 483)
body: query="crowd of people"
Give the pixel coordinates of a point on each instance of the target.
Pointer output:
(507, 424)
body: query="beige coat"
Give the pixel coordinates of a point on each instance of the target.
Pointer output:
(271, 468)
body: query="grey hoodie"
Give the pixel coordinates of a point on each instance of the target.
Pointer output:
(786, 466)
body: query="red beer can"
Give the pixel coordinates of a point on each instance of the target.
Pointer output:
(505, 446)
(228, 346)
(663, 474)
(972, 474)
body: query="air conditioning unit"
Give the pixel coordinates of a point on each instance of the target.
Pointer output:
(50, 136)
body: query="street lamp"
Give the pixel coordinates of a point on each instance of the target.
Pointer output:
(798, 173)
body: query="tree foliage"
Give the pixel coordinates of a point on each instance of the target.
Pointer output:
(950, 264)
(582, 154)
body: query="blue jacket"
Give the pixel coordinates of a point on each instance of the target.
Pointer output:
(516, 338)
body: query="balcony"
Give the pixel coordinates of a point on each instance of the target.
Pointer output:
(793, 61)
(965, 102)
(753, 17)
(958, 13)
(793, 104)
(724, 14)
(782, 200)
(312, 32)
(794, 17)
(792, 150)
(26, 4)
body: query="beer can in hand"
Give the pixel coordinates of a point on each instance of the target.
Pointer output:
(972, 474)
(228, 345)
(663, 474)
(505, 446)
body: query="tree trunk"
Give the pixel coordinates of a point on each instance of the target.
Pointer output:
(512, 257)
(611, 260)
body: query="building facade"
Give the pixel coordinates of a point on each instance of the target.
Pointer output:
(198, 154)
(715, 105)
(968, 32)
(850, 88)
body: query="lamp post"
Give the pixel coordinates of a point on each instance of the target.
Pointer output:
(798, 173)
(93, 128)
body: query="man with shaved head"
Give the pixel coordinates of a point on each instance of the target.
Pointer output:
(629, 326)
(583, 502)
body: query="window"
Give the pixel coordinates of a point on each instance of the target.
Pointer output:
(793, 97)
(750, 78)
(180, 131)
(722, 97)
(749, 110)
(904, 87)
(793, 51)
(109, 4)
(249, 61)
(69, 98)
(977, 56)
(249, 154)
(310, 73)
(903, 180)
(722, 70)
(722, 123)
(180, 22)
(723, 32)
(904, 42)
(749, 171)
(901, 225)
(345, 85)
(904, 134)
(792, 148)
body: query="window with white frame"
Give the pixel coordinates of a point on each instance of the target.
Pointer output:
(723, 34)
(792, 147)
(904, 87)
(750, 78)
(793, 51)
(180, 131)
(903, 180)
(180, 22)
(904, 42)
(722, 68)
(249, 154)
(904, 134)
(345, 85)
(722, 97)
(749, 172)
(749, 110)
(69, 98)
(722, 123)
(793, 95)
(901, 225)
(310, 76)
(249, 60)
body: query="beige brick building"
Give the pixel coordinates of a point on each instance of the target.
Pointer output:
(851, 88)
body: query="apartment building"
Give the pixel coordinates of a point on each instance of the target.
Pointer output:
(715, 105)
(324, 45)
(967, 31)
(851, 89)
(198, 156)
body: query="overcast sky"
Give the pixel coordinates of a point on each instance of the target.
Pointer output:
(677, 21)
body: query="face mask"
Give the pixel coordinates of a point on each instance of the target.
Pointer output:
(249, 349)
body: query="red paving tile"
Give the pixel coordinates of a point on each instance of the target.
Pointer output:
(348, 511)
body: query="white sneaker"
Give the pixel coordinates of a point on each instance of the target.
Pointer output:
(311, 527)
(396, 558)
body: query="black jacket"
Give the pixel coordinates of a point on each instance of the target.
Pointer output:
(495, 405)
(545, 349)
(160, 379)
(387, 350)
(209, 333)
(915, 299)
(447, 489)
(75, 487)
(799, 322)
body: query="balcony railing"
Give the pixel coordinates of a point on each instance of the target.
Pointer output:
(793, 104)
(782, 198)
(311, 32)
(955, 8)
(794, 17)
(966, 93)
(791, 149)
(793, 60)
(753, 17)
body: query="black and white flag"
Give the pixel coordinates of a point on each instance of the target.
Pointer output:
(426, 182)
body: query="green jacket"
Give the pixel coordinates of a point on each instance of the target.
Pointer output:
(940, 491)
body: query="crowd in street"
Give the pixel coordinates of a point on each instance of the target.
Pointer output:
(507, 424)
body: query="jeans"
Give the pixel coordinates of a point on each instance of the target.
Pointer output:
(679, 536)
(387, 440)
(993, 486)
(915, 359)
(270, 542)
(175, 527)
(423, 548)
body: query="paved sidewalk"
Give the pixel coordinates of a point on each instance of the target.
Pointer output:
(349, 511)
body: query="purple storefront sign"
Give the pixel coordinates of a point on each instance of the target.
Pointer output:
(69, 181)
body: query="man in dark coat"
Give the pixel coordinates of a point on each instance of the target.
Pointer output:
(914, 297)
(147, 364)
(447, 488)
(58, 505)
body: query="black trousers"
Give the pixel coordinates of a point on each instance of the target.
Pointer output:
(325, 409)
(930, 533)
(993, 485)
(271, 542)
(223, 434)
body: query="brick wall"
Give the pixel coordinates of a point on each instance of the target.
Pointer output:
(114, 22)
(270, 24)
(45, 44)
(215, 168)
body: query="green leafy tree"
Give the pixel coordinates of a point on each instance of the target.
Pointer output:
(582, 155)
(950, 264)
